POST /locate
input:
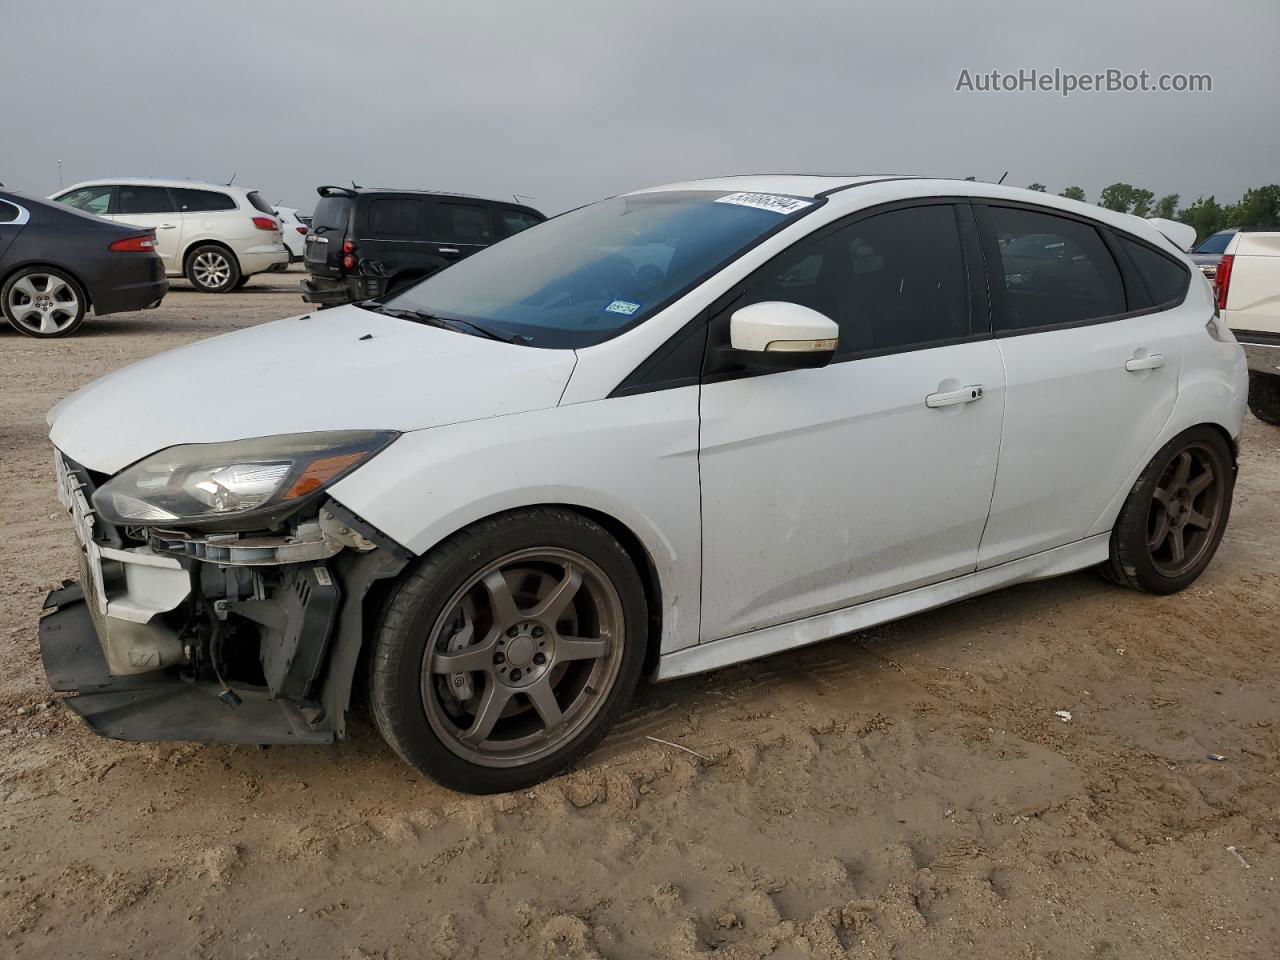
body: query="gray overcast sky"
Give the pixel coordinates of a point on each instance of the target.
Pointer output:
(570, 101)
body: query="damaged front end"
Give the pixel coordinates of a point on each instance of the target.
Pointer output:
(189, 632)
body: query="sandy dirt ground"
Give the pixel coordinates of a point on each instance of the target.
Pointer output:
(905, 793)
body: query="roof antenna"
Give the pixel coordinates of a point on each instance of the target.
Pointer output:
(354, 185)
(517, 196)
(233, 179)
(1002, 176)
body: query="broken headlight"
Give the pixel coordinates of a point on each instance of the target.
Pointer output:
(203, 484)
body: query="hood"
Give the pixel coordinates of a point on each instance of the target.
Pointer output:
(338, 369)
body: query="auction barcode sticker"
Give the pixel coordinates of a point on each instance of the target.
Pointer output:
(767, 201)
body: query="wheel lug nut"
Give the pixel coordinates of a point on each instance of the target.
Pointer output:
(499, 658)
(515, 674)
(539, 658)
(512, 631)
(537, 631)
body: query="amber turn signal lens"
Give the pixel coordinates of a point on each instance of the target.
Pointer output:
(320, 472)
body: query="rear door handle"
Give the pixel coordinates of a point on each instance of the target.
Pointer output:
(168, 226)
(1152, 362)
(449, 251)
(951, 397)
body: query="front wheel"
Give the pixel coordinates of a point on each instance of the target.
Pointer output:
(509, 651)
(1175, 516)
(1264, 396)
(213, 269)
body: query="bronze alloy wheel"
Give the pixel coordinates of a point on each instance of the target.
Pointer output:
(1186, 509)
(522, 657)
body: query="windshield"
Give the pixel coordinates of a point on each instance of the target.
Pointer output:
(583, 277)
(1215, 244)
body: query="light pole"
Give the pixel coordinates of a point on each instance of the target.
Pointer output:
(59, 174)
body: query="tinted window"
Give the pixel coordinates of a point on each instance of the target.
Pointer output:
(582, 277)
(891, 280)
(331, 213)
(465, 223)
(95, 200)
(1055, 270)
(193, 201)
(513, 221)
(1165, 278)
(256, 201)
(143, 200)
(8, 212)
(395, 216)
(1217, 243)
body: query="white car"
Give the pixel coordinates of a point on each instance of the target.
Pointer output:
(660, 434)
(215, 235)
(1247, 284)
(294, 232)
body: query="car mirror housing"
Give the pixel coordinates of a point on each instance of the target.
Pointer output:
(779, 335)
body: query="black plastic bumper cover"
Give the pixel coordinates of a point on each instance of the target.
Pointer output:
(160, 705)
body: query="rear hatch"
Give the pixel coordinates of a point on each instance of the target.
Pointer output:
(329, 226)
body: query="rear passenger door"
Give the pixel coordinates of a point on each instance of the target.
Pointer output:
(152, 208)
(396, 233)
(464, 228)
(1091, 375)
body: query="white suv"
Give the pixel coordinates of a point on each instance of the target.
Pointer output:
(215, 235)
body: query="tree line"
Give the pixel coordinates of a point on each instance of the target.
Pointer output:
(1258, 209)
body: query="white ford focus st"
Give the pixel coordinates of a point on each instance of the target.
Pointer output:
(659, 434)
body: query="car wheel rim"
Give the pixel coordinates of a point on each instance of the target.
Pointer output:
(523, 657)
(211, 269)
(1186, 509)
(43, 303)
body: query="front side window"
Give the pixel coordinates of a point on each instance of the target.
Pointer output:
(395, 217)
(201, 201)
(143, 200)
(466, 223)
(1166, 279)
(585, 276)
(896, 279)
(95, 200)
(1055, 271)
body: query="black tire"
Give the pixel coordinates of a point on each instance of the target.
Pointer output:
(212, 269)
(424, 599)
(241, 282)
(1264, 397)
(1161, 508)
(22, 301)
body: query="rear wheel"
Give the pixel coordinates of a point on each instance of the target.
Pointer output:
(1171, 525)
(212, 269)
(510, 650)
(43, 302)
(1264, 396)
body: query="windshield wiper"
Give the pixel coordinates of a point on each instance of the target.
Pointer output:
(435, 320)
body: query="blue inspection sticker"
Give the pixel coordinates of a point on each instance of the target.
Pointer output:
(624, 307)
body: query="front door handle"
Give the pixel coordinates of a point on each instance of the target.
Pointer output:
(1153, 362)
(168, 226)
(449, 251)
(951, 397)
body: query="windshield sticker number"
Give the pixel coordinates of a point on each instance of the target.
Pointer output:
(767, 201)
(624, 307)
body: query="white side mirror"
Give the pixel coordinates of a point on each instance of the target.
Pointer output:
(780, 334)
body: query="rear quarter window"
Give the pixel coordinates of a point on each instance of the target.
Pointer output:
(395, 217)
(8, 212)
(1166, 279)
(200, 201)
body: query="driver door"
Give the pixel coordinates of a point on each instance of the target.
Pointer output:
(824, 488)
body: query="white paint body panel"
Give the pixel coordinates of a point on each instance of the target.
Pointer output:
(1253, 298)
(775, 510)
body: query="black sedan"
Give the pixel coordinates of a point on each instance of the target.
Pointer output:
(56, 263)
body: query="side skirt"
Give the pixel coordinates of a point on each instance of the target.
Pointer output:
(800, 633)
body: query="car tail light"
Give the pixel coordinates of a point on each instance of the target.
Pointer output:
(348, 251)
(348, 246)
(265, 223)
(146, 243)
(301, 230)
(1222, 279)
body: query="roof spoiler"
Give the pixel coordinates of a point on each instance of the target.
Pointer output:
(1181, 235)
(331, 191)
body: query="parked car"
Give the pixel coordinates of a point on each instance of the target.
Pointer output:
(1209, 251)
(56, 264)
(215, 235)
(365, 242)
(1248, 295)
(294, 232)
(663, 433)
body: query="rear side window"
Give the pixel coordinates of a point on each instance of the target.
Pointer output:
(95, 200)
(511, 222)
(1055, 271)
(199, 201)
(8, 212)
(256, 201)
(395, 217)
(890, 281)
(1166, 279)
(465, 223)
(143, 200)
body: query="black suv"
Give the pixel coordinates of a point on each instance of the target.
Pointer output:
(364, 242)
